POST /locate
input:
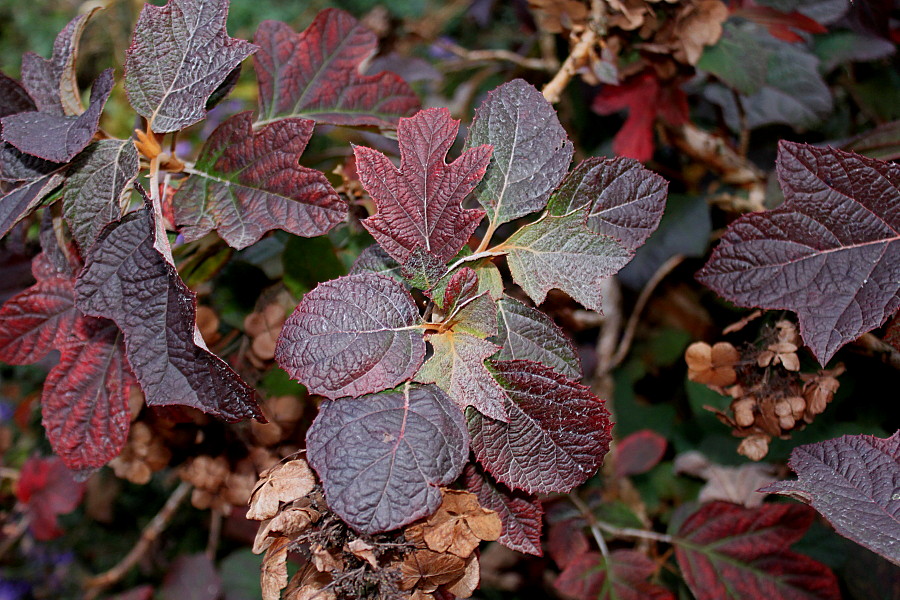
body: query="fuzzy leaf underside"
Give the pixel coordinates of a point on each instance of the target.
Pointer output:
(382, 457)
(521, 515)
(351, 336)
(830, 253)
(249, 182)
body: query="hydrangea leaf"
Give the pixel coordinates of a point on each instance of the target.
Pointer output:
(831, 252)
(728, 552)
(457, 367)
(476, 316)
(126, 279)
(375, 260)
(352, 336)
(520, 514)
(93, 191)
(619, 196)
(17, 167)
(13, 97)
(47, 489)
(546, 446)
(316, 74)
(27, 198)
(561, 252)
(420, 204)
(625, 576)
(179, 54)
(528, 334)
(457, 287)
(531, 151)
(247, 182)
(382, 457)
(854, 481)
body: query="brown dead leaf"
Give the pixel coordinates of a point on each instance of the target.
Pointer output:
(466, 585)
(428, 570)
(712, 365)
(628, 15)
(699, 25)
(754, 447)
(324, 560)
(285, 482)
(363, 550)
(458, 526)
(732, 484)
(273, 577)
(556, 16)
(208, 324)
(290, 521)
(309, 584)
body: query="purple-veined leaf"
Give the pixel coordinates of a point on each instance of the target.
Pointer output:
(422, 269)
(375, 260)
(728, 552)
(316, 74)
(561, 252)
(619, 196)
(520, 514)
(25, 199)
(352, 336)
(59, 138)
(92, 195)
(557, 435)
(531, 151)
(831, 252)
(126, 279)
(854, 481)
(247, 182)
(382, 457)
(457, 367)
(623, 577)
(420, 204)
(179, 54)
(528, 334)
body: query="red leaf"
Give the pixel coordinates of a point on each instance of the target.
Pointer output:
(639, 452)
(316, 74)
(47, 489)
(831, 252)
(726, 551)
(420, 204)
(780, 24)
(566, 541)
(590, 577)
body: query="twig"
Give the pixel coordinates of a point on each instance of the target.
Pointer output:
(715, 154)
(154, 528)
(629, 532)
(592, 522)
(215, 533)
(553, 90)
(478, 56)
(609, 336)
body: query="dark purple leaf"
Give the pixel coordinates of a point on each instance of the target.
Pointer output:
(566, 540)
(422, 269)
(461, 286)
(13, 97)
(557, 435)
(92, 196)
(639, 452)
(191, 577)
(854, 481)
(620, 197)
(520, 514)
(179, 55)
(420, 205)
(528, 334)
(892, 335)
(624, 577)
(25, 199)
(831, 252)
(16, 166)
(562, 253)
(247, 182)
(351, 336)
(375, 260)
(531, 151)
(882, 142)
(382, 457)
(59, 138)
(315, 74)
(727, 552)
(128, 280)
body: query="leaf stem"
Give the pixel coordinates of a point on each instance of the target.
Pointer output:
(621, 532)
(486, 239)
(592, 522)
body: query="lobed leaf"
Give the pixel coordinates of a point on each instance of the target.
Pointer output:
(547, 445)
(831, 252)
(854, 481)
(420, 204)
(352, 336)
(561, 252)
(520, 514)
(126, 279)
(531, 151)
(316, 74)
(179, 54)
(246, 183)
(382, 457)
(624, 576)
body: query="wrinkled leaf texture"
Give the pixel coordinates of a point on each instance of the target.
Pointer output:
(726, 552)
(831, 252)
(316, 74)
(624, 577)
(520, 514)
(382, 457)
(854, 481)
(247, 182)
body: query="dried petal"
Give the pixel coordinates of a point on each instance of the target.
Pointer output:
(283, 483)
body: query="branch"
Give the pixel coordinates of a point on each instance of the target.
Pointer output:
(479, 56)
(553, 90)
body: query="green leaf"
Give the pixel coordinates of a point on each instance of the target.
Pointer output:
(738, 58)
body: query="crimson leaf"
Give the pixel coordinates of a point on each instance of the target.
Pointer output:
(546, 446)
(620, 198)
(351, 336)
(420, 204)
(520, 514)
(246, 183)
(126, 279)
(726, 551)
(179, 54)
(854, 481)
(382, 457)
(531, 151)
(47, 489)
(623, 577)
(639, 452)
(316, 74)
(831, 252)
(59, 138)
